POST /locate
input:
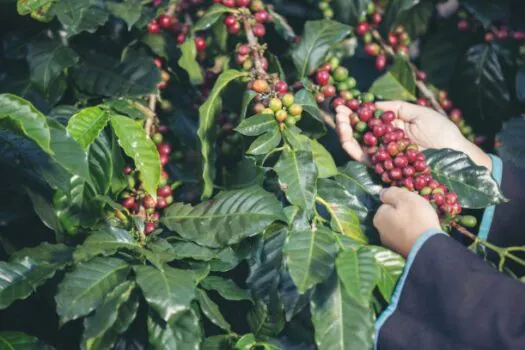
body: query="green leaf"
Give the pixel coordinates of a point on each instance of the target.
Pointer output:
(323, 160)
(359, 273)
(58, 255)
(247, 98)
(480, 85)
(266, 321)
(340, 322)
(86, 125)
(188, 61)
(189, 250)
(246, 342)
(318, 38)
(47, 61)
(168, 291)
(128, 10)
(97, 326)
(310, 257)
(399, 83)
(207, 126)
(359, 180)
(106, 242)
(416, 19)
(350, 11)
(474, 185)
(183, 333)
(105, 76)
(85, 288)
(211, 16)
(281, 26)
(265, 143)
(157, 43)
(218, 342)
(394, 10)
(298, 175)
(227, 219)
(211, 310)
(79, 16)
(345, 209)
(20, 278)
(511, 139)
(27, 119)
(25, 7)
(257, 125)
(101, 164)
(225, 287)
(487, 11)
(312, 122)
(21, 341)
(67, 152)
(136, 144)
(390, 267)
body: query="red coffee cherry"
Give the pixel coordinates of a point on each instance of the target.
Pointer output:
(322, 77)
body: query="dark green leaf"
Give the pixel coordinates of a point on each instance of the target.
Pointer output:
(101, 164)
(106, 76)
(47, 254)
(298, 175)
(520, 86)
(86, 125)
(227, 219)
(399, 83)
(85, 288)
(106, 242)
(350, 11)
(211, 310)
(312, 122)
(310, 256)
(20, 278)
(247, 98)
(340, 322)
(512, 142)
(479, 85)
(135, 142)
(266, 320)
(390, 267)
(168, 291)
(25, 7)
(189, 250)
(265, 143)
(487, 11)
(27, 119)
(45, 211)
(293, 302)
(323, 160)
(257, 125)
(184, 332)
(218, 342)
(21, 341)
(207, 126)
(358, 179)
(79, 16)
(128, 10)
(359, 273)
(157, 43)
(246, 342)
(474, 185)
(318, 38)
(47, 60)
(393, 12)
(225, 287)
(281, 26)
(211, 16)
(188, 61)
(417, 18)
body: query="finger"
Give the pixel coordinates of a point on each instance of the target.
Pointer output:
(343, 110)
(382, 214)
(392, 195)
(405, 111)
(346, 137)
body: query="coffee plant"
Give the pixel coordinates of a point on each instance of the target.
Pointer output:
(172, 180)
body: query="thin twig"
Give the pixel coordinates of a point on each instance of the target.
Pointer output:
(150, 120)
(254, 44)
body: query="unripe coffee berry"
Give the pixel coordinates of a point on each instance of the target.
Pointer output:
(361, 127)
(340, 74)
(288, 100)
(149, 202)
(275, 104)
(281, 116)
(295, 110)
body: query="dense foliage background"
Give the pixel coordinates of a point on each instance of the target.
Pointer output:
(171, 178)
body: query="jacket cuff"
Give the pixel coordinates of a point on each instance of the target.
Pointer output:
(400, 284)
(488, 215)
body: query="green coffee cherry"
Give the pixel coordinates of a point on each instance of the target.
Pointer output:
(290, 121)
(351, 82)
(361, 127)
(368, 97)
(295, 109)
(267, 111)
(334, 62)
(468, 221)
(275, 104)
(341, 74)
(288, 100)
(342, 86)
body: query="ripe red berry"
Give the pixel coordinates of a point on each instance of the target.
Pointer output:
(455, 115)
(382, 155)
(422, 102)
(235, 28)
(362, 28)
(200, 44)
(503, 33)
(281, 87)
(329, 90)
(421, 157)
(229, 3)
(386, 178)
(409, 183)
(411, 155)
(451, 197)
(433, 184)
(420, 75)
(338, 101)
(149, 228)
(154, 216)
(164, 159)
(377, 18)
(396, 174)
(369, 139)
(388, 164)
(158, 62)
(165, 21)
(392, 148)
(181, 38)
(259, 30)
(392, 39)
(353, 104)
(365, 113)
(419, 183)
(409, 171)
(153, 27)
(446, 104)
(463, 25)
(519, 36)
(438, 198)
(489, 37)
(388, 116)
(372, 49)
(243, 50)
(243, 3)
(373, 122)
(129, 203)
(149, 202)
(230, 21)
(400, 161)
(322, 77)
(128, 170)
(164, 191)
(381, 62)
(420, 166)
(379, 130)
(262, 16)
(379, 169)
(161, 203)
(164, 148)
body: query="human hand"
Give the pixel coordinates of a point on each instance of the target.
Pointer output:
(402, 218)
(423, 126)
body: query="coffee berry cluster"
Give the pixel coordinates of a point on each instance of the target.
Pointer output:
(324, 5)
(497, 31)
(273, 98)
(142, 204)
(397, 160)
(244, 57)
(252, 11)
